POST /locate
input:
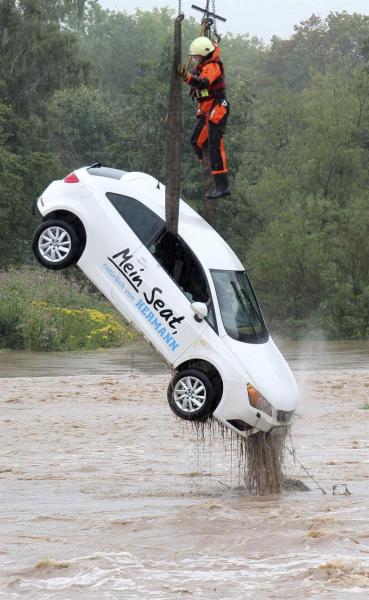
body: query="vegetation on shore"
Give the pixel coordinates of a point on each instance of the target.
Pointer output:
(45, 311)
(80, 84)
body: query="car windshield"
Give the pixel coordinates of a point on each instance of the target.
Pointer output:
(239, 308)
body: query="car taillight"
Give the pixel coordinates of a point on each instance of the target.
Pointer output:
(71, 178)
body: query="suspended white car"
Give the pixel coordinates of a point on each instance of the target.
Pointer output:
(188, 295)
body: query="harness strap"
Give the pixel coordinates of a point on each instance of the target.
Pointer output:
(217, 87)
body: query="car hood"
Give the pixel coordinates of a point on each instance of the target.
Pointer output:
(265, 368)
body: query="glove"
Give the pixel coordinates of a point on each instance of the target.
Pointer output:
(182, 72)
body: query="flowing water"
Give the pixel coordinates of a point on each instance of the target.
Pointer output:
(104, 494)
(139, 357)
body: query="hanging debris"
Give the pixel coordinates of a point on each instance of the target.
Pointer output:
(262, 457)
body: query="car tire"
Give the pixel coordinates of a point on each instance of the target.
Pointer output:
(55, 244)
(191, 395)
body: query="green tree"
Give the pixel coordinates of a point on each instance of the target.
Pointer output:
(83, 127)
(36, 57)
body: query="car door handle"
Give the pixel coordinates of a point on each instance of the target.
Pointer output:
(142, 261)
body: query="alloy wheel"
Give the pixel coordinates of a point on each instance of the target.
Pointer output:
(189, 394)
(54, 244)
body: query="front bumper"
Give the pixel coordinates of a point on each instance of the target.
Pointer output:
(236, 413)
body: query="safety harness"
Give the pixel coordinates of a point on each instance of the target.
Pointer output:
(216, 89)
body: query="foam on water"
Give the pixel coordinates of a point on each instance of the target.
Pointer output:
(198, 576)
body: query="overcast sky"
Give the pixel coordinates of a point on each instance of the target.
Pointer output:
(262, 18)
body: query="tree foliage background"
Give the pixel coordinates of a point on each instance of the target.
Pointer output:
(80, 84)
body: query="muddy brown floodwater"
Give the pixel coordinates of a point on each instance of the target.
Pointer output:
(105, 495)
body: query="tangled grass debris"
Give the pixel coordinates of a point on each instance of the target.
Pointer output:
(259, 458)
(261, 461)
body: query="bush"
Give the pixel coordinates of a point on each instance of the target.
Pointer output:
(44, 311)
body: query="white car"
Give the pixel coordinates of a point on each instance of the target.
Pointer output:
(188, 295)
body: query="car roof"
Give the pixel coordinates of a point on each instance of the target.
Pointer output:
(204, 241)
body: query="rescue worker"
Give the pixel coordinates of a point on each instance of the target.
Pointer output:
(208, 87)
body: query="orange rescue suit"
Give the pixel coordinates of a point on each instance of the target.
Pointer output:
(208, 87)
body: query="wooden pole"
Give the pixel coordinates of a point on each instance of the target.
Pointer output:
(174, 135)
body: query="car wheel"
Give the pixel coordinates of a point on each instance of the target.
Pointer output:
(191, 395)
(55, 244)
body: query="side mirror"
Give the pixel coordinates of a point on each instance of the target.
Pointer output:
(200, 309)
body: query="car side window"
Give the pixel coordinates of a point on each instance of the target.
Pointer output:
(144, 222)
(181, 264)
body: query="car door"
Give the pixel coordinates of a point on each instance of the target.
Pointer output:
(134, 226)
(172, 280)
(151, 286)
(116, 229)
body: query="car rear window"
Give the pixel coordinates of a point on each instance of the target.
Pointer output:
(143, 221)
(106, 172)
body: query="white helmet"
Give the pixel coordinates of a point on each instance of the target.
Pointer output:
(201, 46)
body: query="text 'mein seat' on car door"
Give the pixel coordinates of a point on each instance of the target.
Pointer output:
(162, 278)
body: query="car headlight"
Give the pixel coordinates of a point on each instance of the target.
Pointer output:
(258, 401)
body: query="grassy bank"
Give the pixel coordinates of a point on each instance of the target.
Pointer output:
(41, 310)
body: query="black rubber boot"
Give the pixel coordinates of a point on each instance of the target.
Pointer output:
(221, 187)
